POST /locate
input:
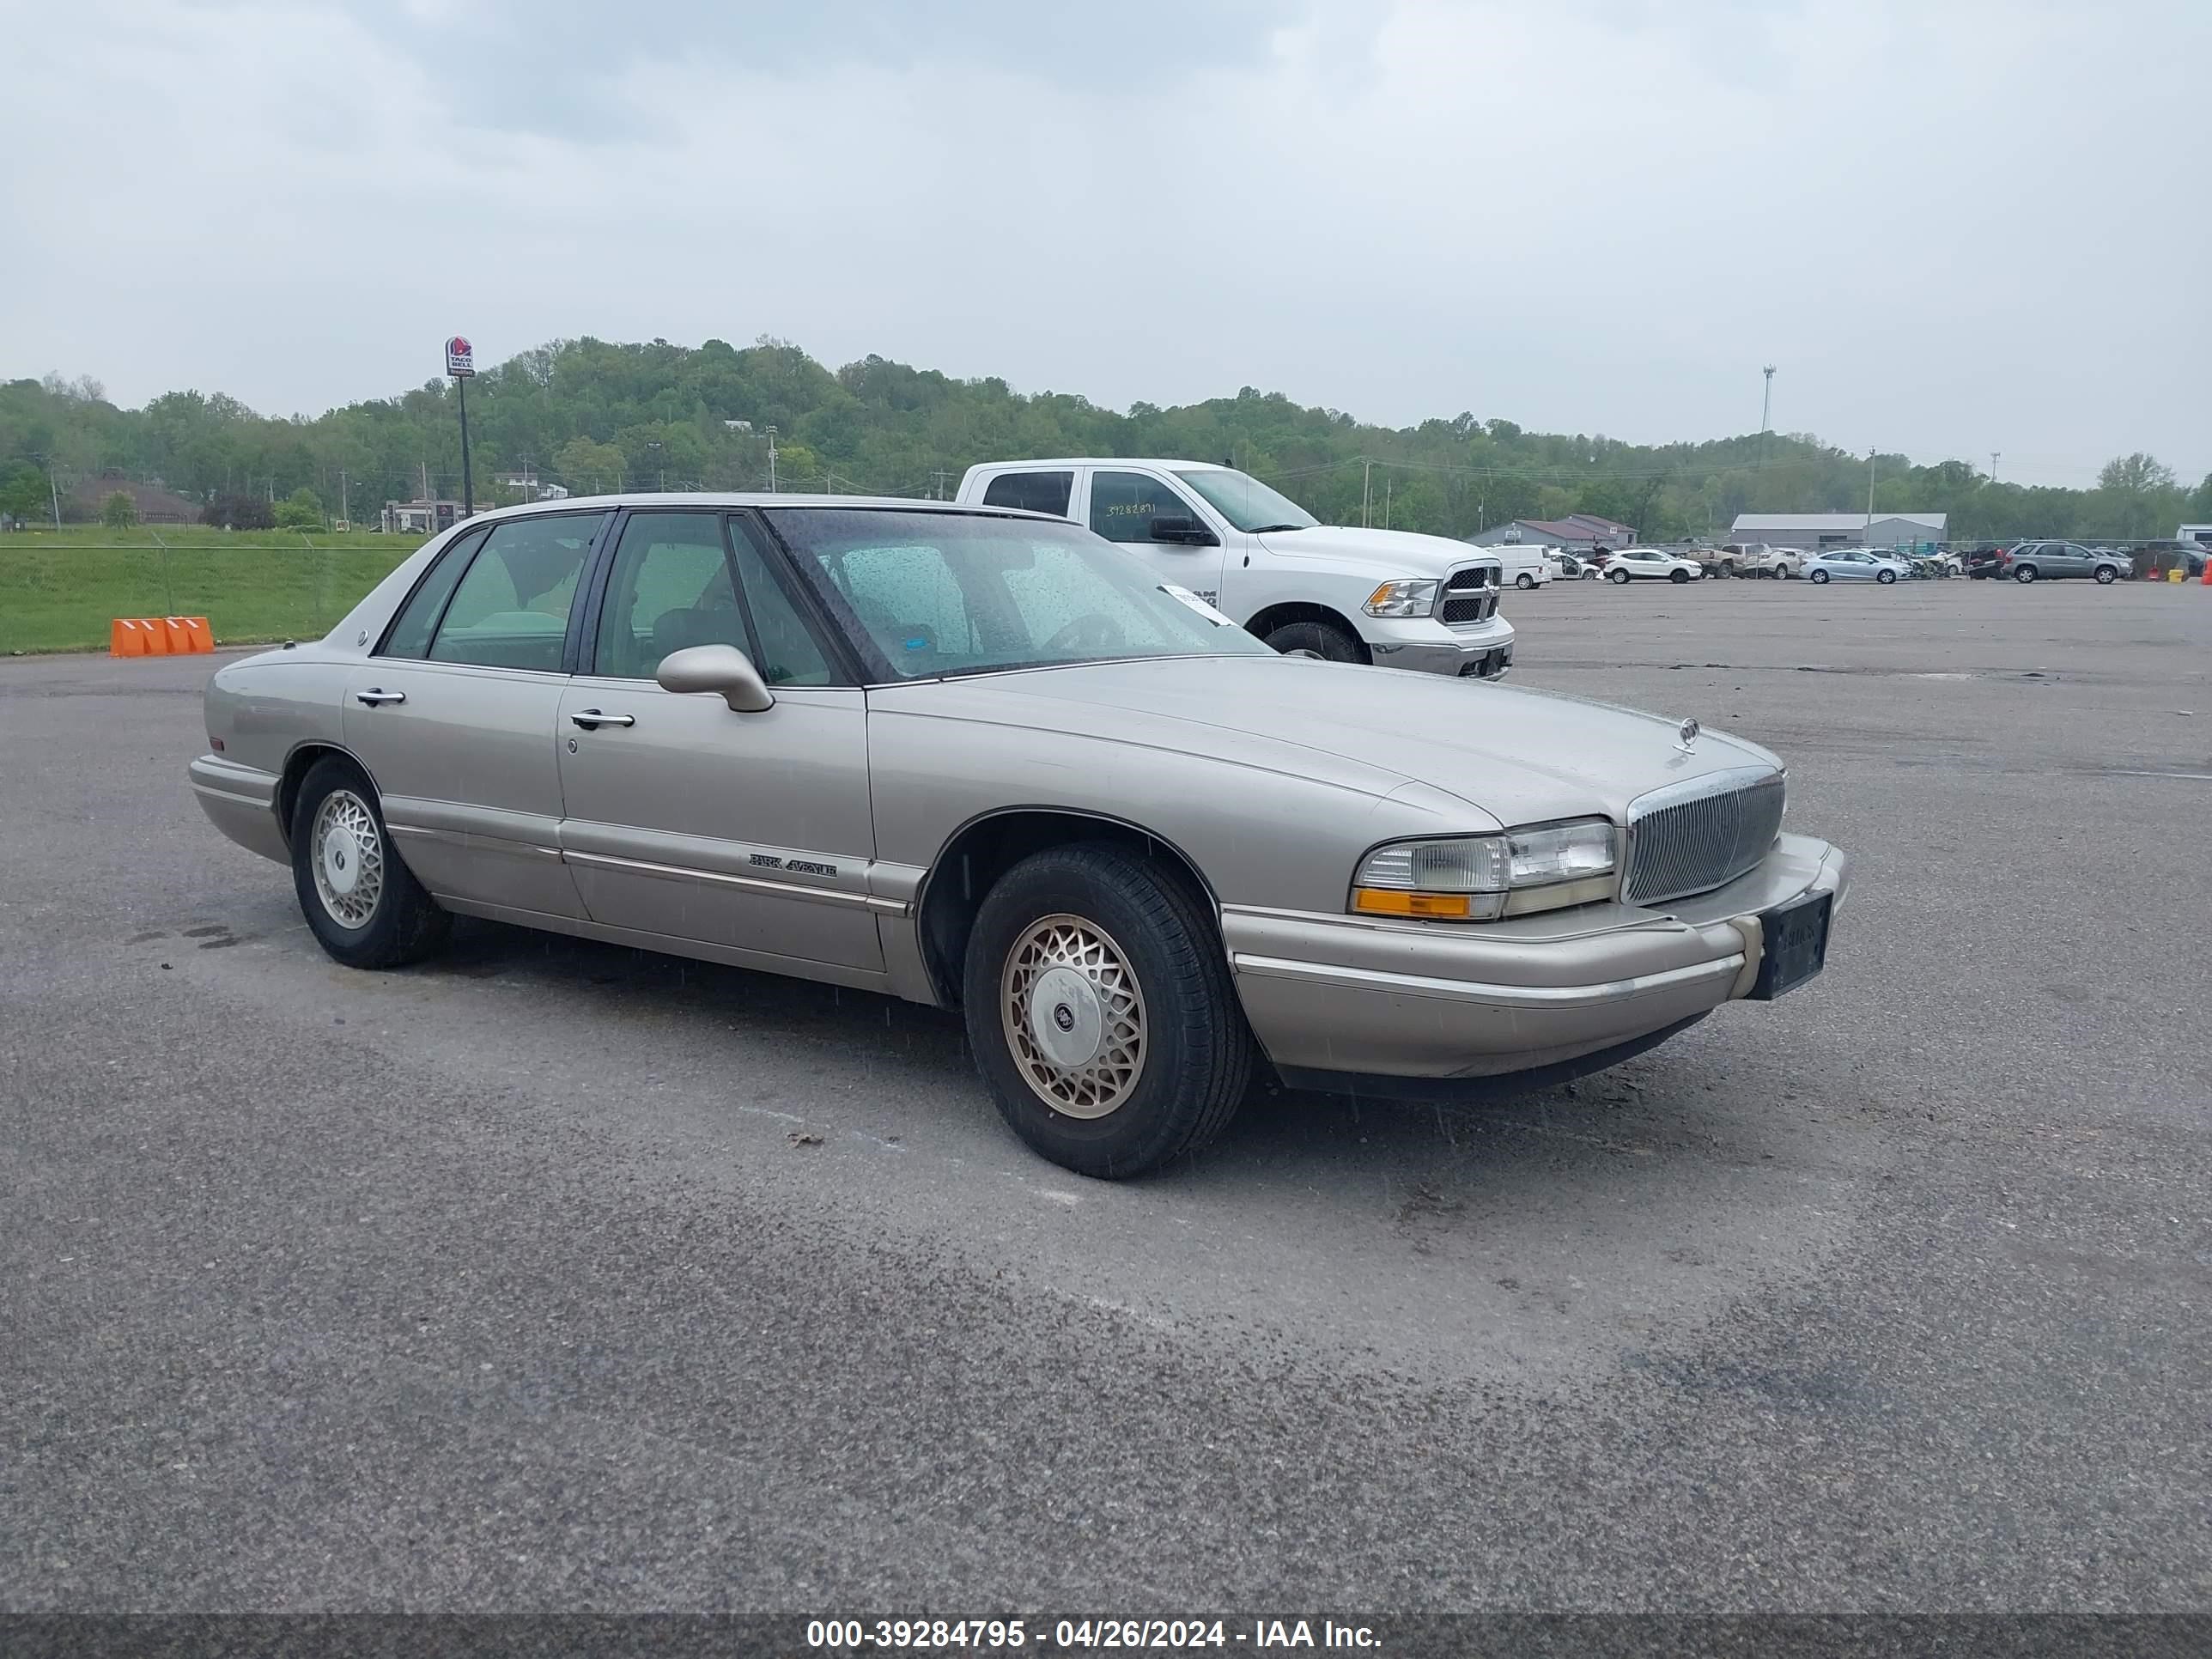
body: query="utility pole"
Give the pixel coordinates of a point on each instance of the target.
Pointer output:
(1366, 469)
(468, 484)
(345, 514)
(1870, 518)
(771, 460)
(54, 492)
(1386, 503)
(1995, 456)
(1766, 406)
(938, 494)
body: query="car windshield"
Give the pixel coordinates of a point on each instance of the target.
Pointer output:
(1246, 502)
(924, 595)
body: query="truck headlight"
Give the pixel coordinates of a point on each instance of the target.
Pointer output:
(1413, 597)
(1481, 878)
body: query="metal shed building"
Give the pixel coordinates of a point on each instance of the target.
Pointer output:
(1814, 531)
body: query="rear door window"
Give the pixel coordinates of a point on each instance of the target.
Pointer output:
(410, 632)
(511, 608)
(1036, 492)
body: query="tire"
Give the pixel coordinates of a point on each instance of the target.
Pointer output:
(1589, 573)
(1678, 576)
(1728, 568)
(339, 844)
(1312, 639)
(1885, 577)
(1524, 579)
(1101, 903)
(2106, 575)
(1620, 576)
(2023, 573)
(1819, 578)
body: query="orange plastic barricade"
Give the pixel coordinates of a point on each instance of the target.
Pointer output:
(132, 637)
(158, 636)
(186, 635)
(2206, 579)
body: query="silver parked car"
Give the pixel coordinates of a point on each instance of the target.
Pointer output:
(982, 759)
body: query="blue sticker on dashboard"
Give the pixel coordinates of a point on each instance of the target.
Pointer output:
(917, 644)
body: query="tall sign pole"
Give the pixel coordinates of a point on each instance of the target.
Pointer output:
(461, 364)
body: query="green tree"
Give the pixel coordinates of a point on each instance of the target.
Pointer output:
(118, 511)
(2133, 488)
(586, 468)
(301, 510)
(2200, 504)
(24, 492)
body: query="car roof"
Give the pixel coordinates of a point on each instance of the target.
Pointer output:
(731, 498)
(1105, 460)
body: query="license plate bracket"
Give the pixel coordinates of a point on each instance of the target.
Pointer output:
(1795, 937)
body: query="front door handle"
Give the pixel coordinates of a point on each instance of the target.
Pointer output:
(591, 719)
(376, 695)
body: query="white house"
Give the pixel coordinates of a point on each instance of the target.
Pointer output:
(1814, 531)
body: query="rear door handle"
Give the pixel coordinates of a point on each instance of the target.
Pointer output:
(376, 695)
(591, 719)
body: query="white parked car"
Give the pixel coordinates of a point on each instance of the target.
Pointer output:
(1385, 596)
(1765, 559)
(1856, 564)
(1651, 564)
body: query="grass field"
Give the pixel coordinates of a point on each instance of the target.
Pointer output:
(59, 589)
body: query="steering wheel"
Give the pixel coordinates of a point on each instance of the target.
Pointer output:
(1089, 634)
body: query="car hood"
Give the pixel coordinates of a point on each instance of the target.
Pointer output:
(1391, 552)
(1521, 756)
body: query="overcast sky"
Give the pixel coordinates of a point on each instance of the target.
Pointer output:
(1957, 227)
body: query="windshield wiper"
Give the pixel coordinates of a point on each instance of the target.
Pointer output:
(1262, 529)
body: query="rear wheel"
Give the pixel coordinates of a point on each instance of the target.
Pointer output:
(1313, 639)
(2023, 573)
(1099, 1007)
(1524, 579)
(362, 902)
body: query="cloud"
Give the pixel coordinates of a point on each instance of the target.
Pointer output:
(1957, 227)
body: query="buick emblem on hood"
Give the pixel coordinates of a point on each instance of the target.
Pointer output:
(1687, 734)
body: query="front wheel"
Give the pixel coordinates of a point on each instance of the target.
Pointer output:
(362, 902)
(1885, 577)
(1099, 1007)
(1620, 576)
(1819, 577)
(2106, 575)
(1678, 576)
(1313, 639)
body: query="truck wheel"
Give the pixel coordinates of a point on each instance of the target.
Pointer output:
(1313, 639)
(1099, 1007)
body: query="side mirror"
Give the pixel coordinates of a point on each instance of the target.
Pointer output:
(722, 669)
(1182, 527)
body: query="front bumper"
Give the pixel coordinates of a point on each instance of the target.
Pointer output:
(1484, 651)
(1343, 1001)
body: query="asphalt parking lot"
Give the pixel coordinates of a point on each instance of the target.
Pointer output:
(522, 1279)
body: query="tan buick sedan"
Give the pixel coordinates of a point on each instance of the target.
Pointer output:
(982, 759)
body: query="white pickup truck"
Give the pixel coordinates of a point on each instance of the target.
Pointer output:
(1387, 597)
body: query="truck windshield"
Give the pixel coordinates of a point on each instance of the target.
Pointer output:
(1246, 502)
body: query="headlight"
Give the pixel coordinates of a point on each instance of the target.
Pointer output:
(1413, 597)
(1482, 877)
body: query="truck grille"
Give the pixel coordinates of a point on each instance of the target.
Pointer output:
(1470, 595)
(1469, 607)
(1693, 837)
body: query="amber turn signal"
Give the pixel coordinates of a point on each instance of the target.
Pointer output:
(1383, 902)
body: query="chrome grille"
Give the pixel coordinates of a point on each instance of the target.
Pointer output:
(1469, 607)
(1693, 837)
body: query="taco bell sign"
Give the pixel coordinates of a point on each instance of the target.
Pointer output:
(460, 358)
